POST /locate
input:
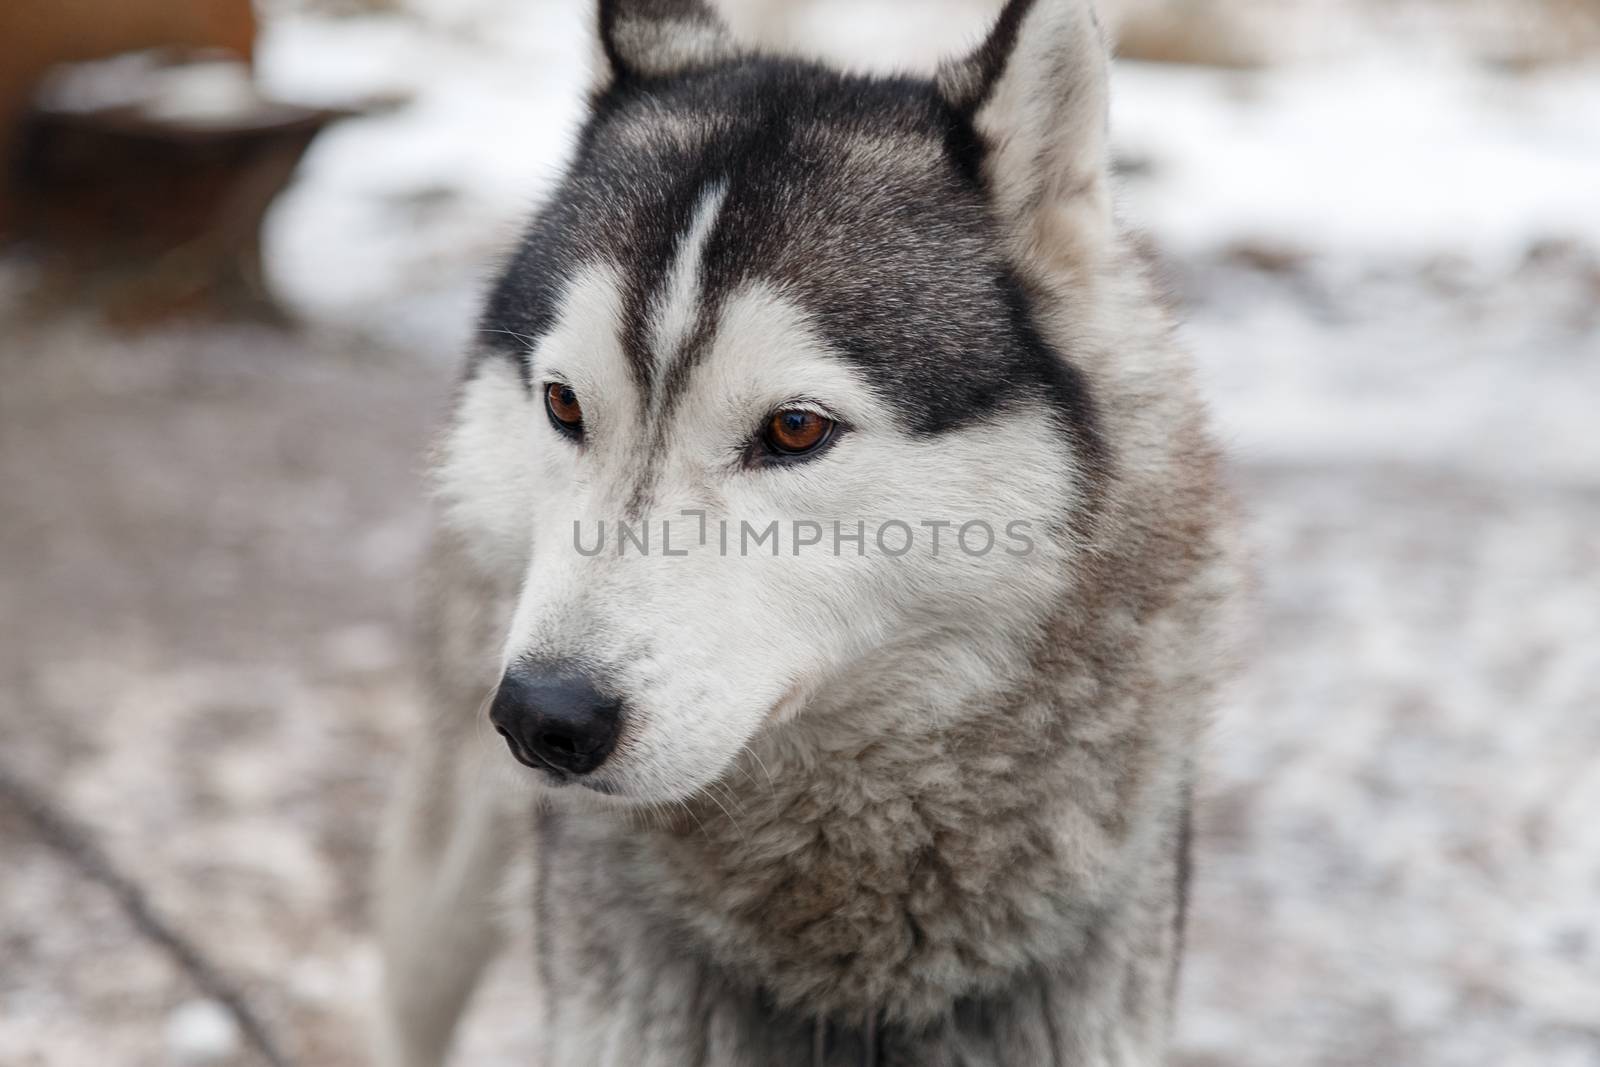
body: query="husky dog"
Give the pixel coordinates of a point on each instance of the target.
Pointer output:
(834, 797)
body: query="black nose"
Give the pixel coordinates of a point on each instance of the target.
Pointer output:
(555, 718)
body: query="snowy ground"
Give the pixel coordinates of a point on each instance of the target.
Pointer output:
(1392, 275)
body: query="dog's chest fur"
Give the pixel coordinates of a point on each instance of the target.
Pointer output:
(945, 886)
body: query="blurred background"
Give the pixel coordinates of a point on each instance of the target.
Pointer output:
(241, 252)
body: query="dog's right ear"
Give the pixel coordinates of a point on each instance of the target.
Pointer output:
(642, 39)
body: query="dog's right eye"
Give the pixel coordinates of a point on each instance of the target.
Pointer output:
(566, 414)
(795, 431)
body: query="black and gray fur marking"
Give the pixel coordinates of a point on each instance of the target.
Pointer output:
(859, 197)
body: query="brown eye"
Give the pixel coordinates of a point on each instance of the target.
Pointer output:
(795, 432)
(562, 404)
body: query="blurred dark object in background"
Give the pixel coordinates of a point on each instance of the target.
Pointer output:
(140, 181)
(147, 181)
(36, 35)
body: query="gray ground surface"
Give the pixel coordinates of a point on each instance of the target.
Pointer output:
(207, 537)
(207, 534)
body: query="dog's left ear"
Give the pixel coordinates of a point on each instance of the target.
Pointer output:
(659, 38)
(1036, 91)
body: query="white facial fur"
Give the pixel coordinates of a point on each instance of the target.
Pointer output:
(710, 648)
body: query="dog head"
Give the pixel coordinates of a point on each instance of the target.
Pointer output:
(766, 407)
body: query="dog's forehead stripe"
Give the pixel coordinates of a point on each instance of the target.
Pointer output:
(676, 305)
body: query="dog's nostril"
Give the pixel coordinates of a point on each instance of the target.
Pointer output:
(559, 742)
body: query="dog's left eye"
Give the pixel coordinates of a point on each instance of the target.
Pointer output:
(796, 432)
(565, 412)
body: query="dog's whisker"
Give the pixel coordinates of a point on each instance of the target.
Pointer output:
(524, 338)
(746, 774)
(685, 806)
(484, 756)
(711, 796)
(728, 793)
(772, 786)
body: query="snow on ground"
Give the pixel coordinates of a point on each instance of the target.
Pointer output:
(1387, 157)
(1390, 270)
